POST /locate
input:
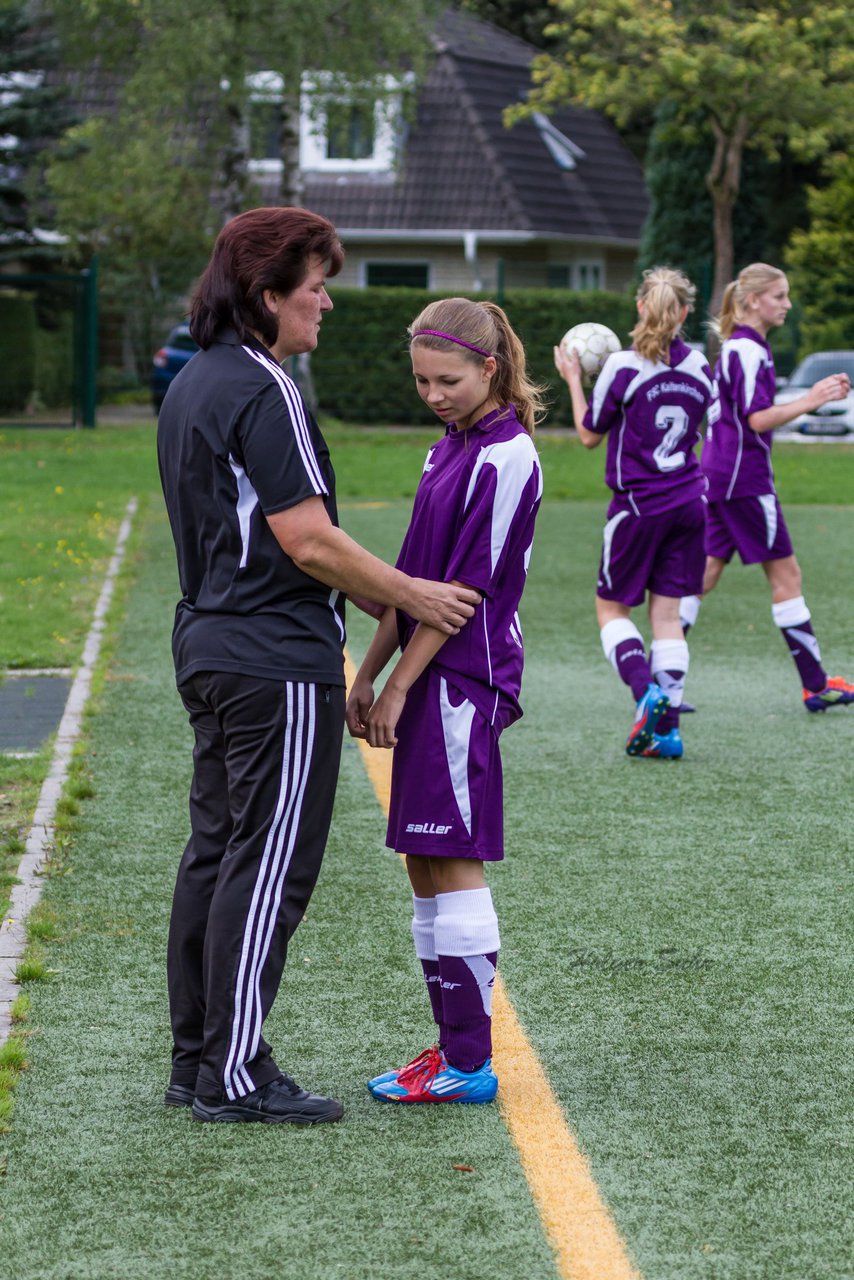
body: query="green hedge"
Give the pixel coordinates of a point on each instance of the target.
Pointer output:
(17, 351)
(361, 366)
(55, 362)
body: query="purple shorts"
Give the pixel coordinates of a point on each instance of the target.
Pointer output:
(754, 527)
(661, 553)
(447, 794)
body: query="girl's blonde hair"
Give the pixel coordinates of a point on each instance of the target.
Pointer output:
(663, 292)
(753, 279)
(475, 330)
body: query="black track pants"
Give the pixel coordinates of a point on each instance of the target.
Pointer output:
(266, 761)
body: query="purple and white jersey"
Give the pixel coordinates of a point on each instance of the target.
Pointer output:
(473, 521)
(652, 413)
(736, 460)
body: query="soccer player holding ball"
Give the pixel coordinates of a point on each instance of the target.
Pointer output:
(649, 402)
(448, 698)
(744, 510)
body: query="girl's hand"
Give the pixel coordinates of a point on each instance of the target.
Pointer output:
(568, 365)
(359, 703)
(836, 387)
(383, 717)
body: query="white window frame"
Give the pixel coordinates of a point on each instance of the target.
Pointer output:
(313, 155)
(265, 86)
(589, 265)
(268, 86)
(394, 262)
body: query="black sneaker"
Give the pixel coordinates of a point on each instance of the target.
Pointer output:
(280, 1101)
(179, 1095)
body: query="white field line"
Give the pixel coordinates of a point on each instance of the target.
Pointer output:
(26, 893)
(21, 673)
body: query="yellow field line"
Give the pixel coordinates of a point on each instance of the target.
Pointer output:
(580, 1229)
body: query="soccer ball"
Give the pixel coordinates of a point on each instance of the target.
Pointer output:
(594, 343)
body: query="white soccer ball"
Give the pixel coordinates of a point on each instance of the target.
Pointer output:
(594, 343)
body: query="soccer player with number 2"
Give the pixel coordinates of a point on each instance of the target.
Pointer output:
(650, 402)
(448, 698)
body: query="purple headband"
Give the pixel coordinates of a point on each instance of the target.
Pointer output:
(436, 333)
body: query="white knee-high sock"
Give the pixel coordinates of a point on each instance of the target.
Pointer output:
(669, 662)
(467, 942)
(623, 646)
(689, 608)
(424, 912)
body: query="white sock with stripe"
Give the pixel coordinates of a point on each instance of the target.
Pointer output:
(467, 943)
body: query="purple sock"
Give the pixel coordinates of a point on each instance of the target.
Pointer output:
(467, 1008)
(433, 979)
(632, 666)
(793, 619)
(803, 647)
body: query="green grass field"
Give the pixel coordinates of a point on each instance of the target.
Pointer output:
(676, 937)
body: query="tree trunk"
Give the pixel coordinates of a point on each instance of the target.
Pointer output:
(723, 181)
(290, 180)
(291, 189)
(234, 174)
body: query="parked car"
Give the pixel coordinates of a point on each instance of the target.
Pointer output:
(836, 418)
(178, 348)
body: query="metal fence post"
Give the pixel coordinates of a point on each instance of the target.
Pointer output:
(90, 343)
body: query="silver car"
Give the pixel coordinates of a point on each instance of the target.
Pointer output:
(836, 417)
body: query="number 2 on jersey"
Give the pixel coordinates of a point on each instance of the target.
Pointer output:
(673, 421)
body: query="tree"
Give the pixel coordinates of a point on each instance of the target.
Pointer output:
(819, 261)
(31, 113)
(520, 17)
(742, 73)
(148, 178)
(213, 46)
(679, 230)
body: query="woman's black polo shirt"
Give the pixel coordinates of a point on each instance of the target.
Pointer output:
(235, 443)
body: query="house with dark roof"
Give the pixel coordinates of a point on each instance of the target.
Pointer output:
(456, 201)
(443, 196)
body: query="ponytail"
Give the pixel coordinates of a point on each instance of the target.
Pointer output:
(726, 319)
(664, 293)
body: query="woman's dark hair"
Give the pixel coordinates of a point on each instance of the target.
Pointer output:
(260, 249)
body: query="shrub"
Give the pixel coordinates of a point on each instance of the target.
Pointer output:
(17, 351)
(54, 376)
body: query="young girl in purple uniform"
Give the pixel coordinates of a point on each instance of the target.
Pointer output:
(448, 699)
(744, 511)
(649, 401)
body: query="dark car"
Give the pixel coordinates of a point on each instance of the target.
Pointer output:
(178, 348)
(836, 418)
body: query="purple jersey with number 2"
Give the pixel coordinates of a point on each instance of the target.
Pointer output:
(652, 413)
(737, 460)
(473, 521)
